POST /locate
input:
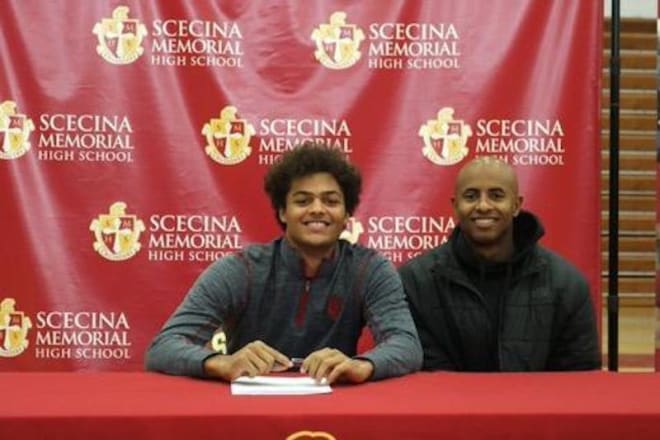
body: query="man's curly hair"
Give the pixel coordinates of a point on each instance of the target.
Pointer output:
(311, 158)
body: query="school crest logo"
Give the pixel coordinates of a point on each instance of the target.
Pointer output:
(15, 130)
(445, 138)
(337, 42)
(228, 137)
(352, 231)
(14, 328)
(311, 435)
(117, 233)
(120, 38)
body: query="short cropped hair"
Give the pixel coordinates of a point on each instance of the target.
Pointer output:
(311, 158)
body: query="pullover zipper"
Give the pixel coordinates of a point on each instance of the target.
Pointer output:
(302, 303)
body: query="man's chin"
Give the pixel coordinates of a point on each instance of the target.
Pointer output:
(482, 239)
(316, 243)
(319, 244)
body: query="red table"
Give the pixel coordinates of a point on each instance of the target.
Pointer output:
(565, 406)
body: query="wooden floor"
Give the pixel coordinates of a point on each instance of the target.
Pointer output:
(638, 331)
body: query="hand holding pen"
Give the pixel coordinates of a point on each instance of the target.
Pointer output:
(254, 359)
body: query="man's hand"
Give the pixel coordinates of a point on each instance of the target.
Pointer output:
(334, 365)
(254, 359)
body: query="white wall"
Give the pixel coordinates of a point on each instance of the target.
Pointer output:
(633, 8)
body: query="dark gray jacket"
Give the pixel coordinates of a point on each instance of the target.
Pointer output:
(543, 321)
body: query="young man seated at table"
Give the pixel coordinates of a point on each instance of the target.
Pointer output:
(304, 295)
(492, 298)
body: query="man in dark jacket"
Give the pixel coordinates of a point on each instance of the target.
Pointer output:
(492, 298)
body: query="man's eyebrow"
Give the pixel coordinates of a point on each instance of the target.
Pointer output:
(311, 193)
(492, 188)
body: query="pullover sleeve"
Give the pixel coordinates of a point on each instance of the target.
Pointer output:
(397, 350)
(182, 345)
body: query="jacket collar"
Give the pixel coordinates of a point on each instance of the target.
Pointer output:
(527, 231)
(446, 262)
(294, 262)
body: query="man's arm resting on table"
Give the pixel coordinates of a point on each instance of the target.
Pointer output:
(577, 345)
(398, 350)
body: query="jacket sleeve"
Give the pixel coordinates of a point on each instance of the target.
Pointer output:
(435, 357)
(182, 345)
(576, 346)
(397, 350)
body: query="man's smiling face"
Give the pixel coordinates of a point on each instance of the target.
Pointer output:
(485, 202)
(315, 213)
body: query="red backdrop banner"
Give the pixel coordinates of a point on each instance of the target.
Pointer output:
(135, 135)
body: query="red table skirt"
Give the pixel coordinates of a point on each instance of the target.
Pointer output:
(565, 406)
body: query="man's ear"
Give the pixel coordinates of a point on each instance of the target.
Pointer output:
(519, 202)
(280, 214)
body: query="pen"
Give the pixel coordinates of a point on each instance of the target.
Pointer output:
(296, 363)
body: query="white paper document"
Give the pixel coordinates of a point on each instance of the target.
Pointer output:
(277, 385)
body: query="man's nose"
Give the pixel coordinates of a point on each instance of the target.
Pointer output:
(483, 204)
(316, 205)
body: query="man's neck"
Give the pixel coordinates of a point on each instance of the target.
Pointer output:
(312, 258)
(311, 263)
(496, 253)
